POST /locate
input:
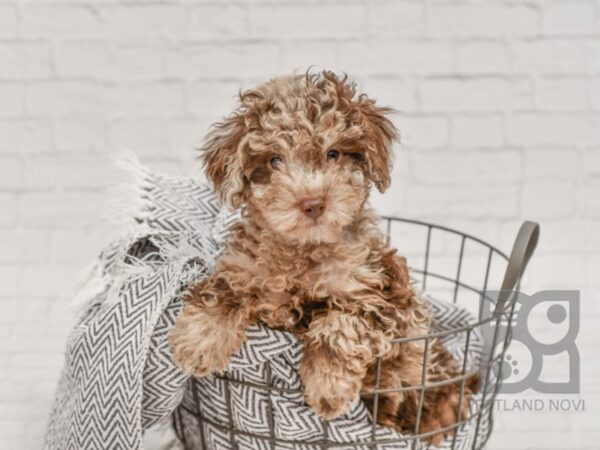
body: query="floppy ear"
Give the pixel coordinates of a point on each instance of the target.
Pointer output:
(222, 158)
(380, 135)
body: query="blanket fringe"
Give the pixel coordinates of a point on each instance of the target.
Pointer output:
(128, 205)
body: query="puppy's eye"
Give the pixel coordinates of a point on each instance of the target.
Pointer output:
(276, 162)
(333, 155)
(356, 156)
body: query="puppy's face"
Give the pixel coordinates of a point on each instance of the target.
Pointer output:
(301, 153)
(306, 187)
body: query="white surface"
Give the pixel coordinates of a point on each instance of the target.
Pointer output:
(499, 111)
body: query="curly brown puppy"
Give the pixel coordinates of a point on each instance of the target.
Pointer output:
(299, 156)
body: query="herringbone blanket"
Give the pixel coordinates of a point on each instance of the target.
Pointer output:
(118, 377)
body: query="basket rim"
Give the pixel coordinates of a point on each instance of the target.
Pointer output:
(448, 229)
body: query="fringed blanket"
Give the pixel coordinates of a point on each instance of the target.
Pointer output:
(118, 378)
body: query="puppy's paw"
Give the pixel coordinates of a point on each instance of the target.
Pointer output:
(329, 388)
(329, 405)
(201, 344)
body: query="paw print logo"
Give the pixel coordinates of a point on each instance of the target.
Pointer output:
(507, 368)
(516, 365)
(551, 336)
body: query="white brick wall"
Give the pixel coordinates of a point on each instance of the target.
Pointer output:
(499, 109)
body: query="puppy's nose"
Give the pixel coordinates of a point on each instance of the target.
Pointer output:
(313, 207)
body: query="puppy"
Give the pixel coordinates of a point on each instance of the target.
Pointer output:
(299, 156)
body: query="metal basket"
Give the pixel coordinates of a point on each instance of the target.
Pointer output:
(450, 265)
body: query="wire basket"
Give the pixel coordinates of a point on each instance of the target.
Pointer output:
(447, 264)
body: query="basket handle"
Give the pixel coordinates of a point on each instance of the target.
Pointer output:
(523, 248)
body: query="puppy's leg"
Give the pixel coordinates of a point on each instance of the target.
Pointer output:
(210, 328)
(338, 348)
(440, 408)
(404, 366)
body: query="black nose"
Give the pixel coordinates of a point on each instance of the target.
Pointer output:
(313, 207)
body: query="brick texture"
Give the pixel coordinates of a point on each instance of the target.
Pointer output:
(498, 105)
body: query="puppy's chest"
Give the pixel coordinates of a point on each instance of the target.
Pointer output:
(317, 280)
(287, 289)
(291, 300)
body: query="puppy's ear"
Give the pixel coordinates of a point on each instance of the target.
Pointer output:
(380, 135)
(222, 156)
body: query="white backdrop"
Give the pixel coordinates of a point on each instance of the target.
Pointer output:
(499, 110)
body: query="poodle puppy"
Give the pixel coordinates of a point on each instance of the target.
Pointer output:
(299, 156)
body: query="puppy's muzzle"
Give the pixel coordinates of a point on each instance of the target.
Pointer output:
(313, 207)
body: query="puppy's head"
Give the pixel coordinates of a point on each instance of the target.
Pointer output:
(301, 153)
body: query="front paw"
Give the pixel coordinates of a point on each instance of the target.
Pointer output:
(195, 358)
(329, 388)
(201, 344)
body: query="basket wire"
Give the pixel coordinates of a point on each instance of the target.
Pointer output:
(456, 286)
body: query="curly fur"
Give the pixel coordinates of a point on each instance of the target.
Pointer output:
(331, 279)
